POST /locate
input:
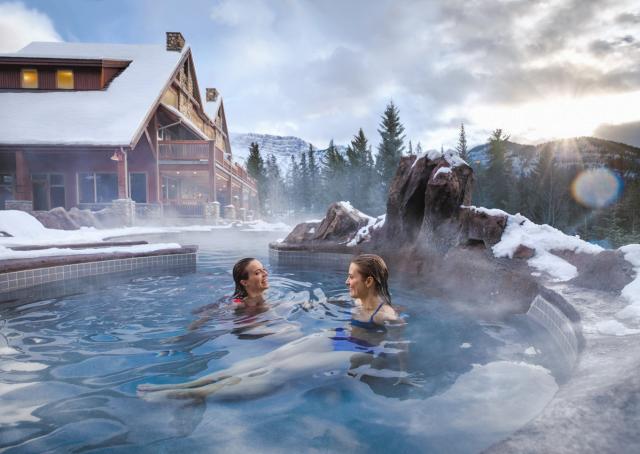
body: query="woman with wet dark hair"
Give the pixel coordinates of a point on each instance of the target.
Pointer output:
(252, 280)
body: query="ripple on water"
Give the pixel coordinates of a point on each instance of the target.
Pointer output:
(76, 362)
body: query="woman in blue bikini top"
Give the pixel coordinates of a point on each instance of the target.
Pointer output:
(367, 283)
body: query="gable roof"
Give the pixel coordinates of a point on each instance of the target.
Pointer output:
(114, 116)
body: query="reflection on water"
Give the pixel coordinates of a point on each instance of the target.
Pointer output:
(70, 366)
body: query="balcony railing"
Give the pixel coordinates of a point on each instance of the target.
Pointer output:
(183, 150)
(196, 150)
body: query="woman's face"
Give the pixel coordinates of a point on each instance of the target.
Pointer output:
(358, 286)
(258, 278)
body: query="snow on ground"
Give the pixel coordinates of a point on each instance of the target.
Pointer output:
(632, 291)
(543, 239)
(8, 254)
(28, 231)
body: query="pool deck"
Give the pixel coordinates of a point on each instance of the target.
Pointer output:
(598, 409)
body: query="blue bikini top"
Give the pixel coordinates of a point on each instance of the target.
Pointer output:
(370, 324)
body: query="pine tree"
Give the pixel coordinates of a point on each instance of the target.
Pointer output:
(334, 175)
(314, 179)
(461, 148)
(256, 169)
(275, 187)
(498, 171)
(305, 189)
(293, 185)
(389, 151)
(359, 162)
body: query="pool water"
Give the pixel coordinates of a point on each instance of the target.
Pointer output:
(446, 382)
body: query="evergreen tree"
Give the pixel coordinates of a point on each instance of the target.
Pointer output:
(410, 153)
(360, 165)
(389, 151)
(314, 179)
(498, 170)
(293, 185)
(305, 185)
(461, 148)
(276, 200)
(256, 169)
(334, 175)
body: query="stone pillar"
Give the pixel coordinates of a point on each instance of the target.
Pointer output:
(243, 214)
(212, 212)
(229, 190)
(123, 184)
(230, 212)
(23, 178)
(126, 210)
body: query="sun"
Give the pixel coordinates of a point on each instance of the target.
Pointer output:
(560, 116)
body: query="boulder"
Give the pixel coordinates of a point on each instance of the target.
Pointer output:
(425, 202)
(84, 218)
(302, 233)
(340, 224)
(481, 226)
(57, 218)
(608, 271)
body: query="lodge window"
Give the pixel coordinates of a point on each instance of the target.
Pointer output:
(170, 188)
(97, 187)
(48, 191)
(6, 188)
(64, 79)
(138, 187)
(29, 78)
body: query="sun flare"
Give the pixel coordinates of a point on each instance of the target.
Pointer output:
(561, 117)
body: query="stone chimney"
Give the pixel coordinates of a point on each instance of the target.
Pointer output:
(175, 41)
(212, 94)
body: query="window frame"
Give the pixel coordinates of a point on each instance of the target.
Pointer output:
(95, 187)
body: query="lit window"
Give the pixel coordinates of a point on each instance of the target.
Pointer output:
(29, 78)
(64, 79)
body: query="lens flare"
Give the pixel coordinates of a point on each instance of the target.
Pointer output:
(596, 188)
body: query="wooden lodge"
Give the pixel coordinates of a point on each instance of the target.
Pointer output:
(89, 125)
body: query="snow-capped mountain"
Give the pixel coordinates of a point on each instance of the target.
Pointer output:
(580, 152)
(281, 147)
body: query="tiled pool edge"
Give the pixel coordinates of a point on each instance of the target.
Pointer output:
(302, 258)
(558, 325)
(19, 280)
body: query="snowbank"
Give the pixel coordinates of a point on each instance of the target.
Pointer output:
(632, 291)
(27, 230)
(7, 254)
(543, 239)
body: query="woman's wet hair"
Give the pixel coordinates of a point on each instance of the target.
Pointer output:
(371, 265)
(240, 273)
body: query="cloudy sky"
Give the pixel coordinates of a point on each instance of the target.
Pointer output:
(322, 69)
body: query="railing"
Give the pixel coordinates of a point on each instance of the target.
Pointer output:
(194, 150)
(184, 208)
(183, 149)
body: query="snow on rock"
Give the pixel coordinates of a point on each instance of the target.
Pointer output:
(442, 170)
(451, 156)
(465, 345)
(632, 291)
(542, 239)
(365, 232)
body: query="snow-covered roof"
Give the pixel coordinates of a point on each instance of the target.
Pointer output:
(98, 117)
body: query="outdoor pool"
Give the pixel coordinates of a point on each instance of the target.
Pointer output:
(70, 366)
